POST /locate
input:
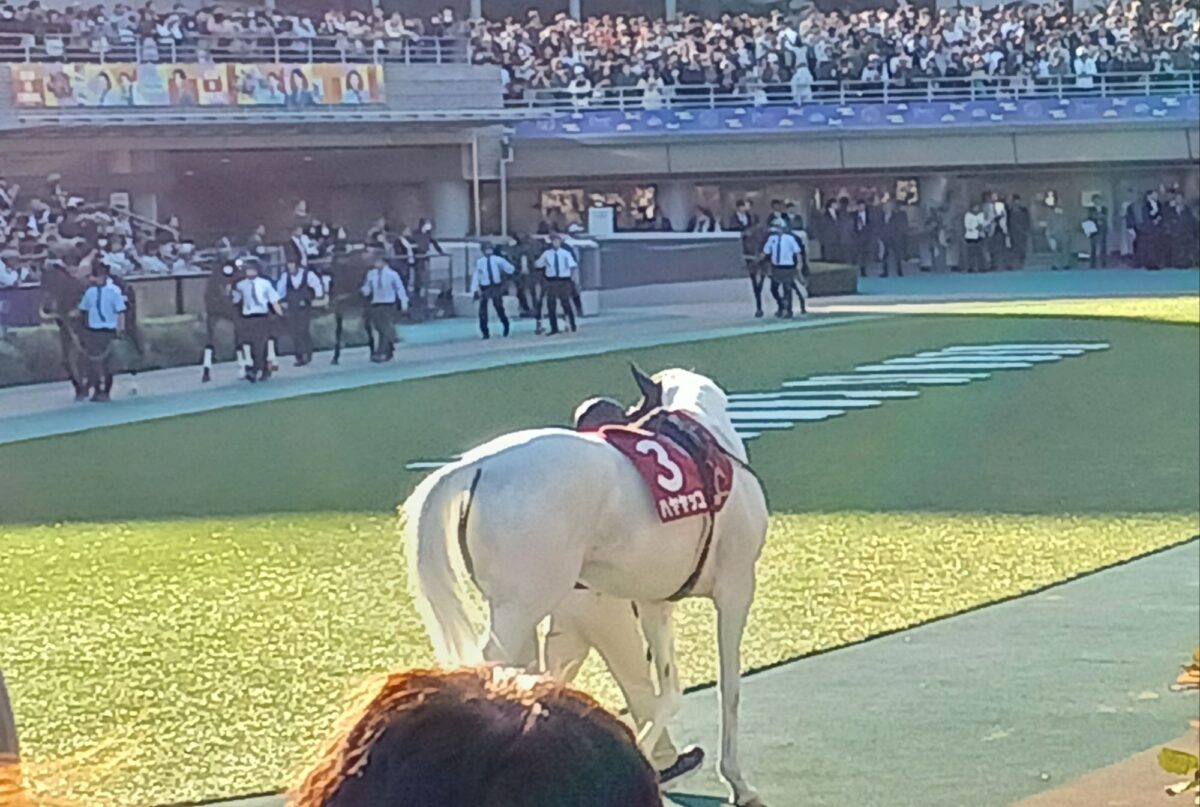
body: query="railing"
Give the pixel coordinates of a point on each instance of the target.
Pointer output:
(992, 88)
(268, 47)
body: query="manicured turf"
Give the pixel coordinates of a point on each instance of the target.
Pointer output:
(206, 656)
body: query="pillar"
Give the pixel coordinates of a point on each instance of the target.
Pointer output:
(144, 204)
(671, 9)
(476, 9)
(575, 9)
(449, 203)
(674, 199)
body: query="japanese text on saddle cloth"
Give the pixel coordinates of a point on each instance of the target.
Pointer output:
(685, 469)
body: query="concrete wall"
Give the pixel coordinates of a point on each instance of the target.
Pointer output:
(773, 154)
(447, 87)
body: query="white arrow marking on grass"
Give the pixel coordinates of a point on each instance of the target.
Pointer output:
(778, 425)
(966, 358)
(878, 378)
(1032, 347)
(785, 414)
(810, 403)
(975, 365)
(754, 413)
(792, 395)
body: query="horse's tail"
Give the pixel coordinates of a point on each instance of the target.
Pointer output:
(439, 570)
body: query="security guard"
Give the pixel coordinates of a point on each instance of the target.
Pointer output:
(298, 288)
(786, 254)
(384, 291)
(558, 263)
(258, 300)
(103, 303)
(487, 284)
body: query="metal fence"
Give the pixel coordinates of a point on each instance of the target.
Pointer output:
(263, 48)
(707, 96)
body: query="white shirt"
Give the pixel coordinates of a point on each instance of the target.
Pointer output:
(384, 287)
(256, 294)
(8, 277)
(558, 263)
(490, 271)
(784, 250)
(973, 226)
(103, 305)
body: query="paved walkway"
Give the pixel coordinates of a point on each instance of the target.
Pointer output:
(453, 346)
(983, 709)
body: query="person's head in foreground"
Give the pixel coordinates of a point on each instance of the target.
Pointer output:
(487, 737)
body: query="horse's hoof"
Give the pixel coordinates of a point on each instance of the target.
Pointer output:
(206, 376)
(753, 801)
(336, 360)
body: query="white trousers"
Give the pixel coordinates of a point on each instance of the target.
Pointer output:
(587, 619)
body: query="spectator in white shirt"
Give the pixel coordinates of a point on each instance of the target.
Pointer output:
(974, 227)
(102, 304)
(384, 291)
(787, 255)
(559, 263)
(8, 276)
(487, 285)
(257, 299)
(1085, 68)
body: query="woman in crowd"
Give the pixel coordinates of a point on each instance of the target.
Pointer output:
(482, 736)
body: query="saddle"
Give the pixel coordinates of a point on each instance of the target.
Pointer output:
(685, 468)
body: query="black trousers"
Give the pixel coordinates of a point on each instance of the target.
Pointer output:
(97, 349)
(784, 280)
(299, 322)
(560, 292)
(495, 296)
(255, 331)
(1097, 242)
(383, 322)
(974, 256)
(893, 252)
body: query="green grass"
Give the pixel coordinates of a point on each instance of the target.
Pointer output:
(205, 655)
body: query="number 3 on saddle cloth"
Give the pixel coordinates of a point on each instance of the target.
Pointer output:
(682, 464)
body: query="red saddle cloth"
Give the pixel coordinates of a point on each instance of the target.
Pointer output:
(684, 471)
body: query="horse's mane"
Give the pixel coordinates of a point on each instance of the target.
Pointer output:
(700, 397)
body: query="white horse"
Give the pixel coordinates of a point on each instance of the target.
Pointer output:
(529, 515)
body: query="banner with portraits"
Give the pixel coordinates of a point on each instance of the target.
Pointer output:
(55, 86)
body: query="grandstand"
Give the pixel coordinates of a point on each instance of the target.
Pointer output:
(496, 119)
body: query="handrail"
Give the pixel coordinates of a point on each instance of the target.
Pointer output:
(990, 88)
(267, 47)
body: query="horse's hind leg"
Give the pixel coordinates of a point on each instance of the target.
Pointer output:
(660, 639)
(512, 638)
(337, 337)
(210, 338)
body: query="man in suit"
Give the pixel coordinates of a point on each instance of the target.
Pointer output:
(1097, 215)
(894, 233)
(297, 248)
(866, 238)
(1019, 227)
(745, 222)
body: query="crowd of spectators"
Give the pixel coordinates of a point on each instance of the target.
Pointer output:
(124, 32)
(57, 226)
(1025, 41)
